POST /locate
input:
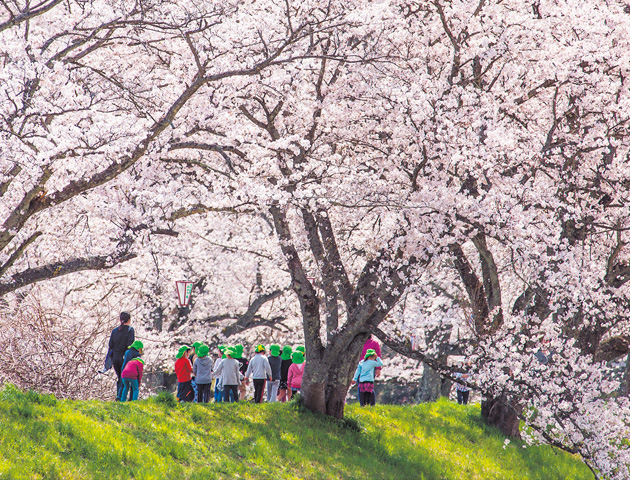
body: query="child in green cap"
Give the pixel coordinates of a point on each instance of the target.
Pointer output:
(275, 362)
(231, 378)
(365, 376)
(260, 371)
(244, 363)
(218, 386)
(202, 369)
(134, 351)
(194, 354)
(184, 371)
(296, 372)
(287, 351)
(132, 377)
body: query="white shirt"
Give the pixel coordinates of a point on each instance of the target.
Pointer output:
(259, 367)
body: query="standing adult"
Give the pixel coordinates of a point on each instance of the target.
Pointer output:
(275, 362)
(119, 341)
(260, 370)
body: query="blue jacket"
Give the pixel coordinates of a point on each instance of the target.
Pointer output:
(130, 354)
(365, 370)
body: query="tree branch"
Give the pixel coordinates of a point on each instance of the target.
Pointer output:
(474, 288)
(490, 275)
(309, 303)
(404, 348)
(58, 269)
(18, 253)
(28, 14)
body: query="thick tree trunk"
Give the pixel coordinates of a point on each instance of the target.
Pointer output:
(328, 374)
(336, 399)
(502, 414)
(314, 396)
(432, 386)
(445, 389)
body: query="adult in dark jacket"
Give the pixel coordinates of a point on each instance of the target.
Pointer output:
(119, 341)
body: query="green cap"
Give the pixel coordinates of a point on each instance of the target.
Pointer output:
(238, 351)
(197, 344)
(369, 353)
(274, 350)
(297, 357)
(286, 352)
(301, 349)
(183, 349)
(260, 348)
(203, 351)
(222, 349)
(137, 345)
(230, 352)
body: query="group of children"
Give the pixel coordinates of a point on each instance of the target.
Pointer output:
(280, 373)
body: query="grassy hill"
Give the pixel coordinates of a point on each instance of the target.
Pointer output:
(45, 438)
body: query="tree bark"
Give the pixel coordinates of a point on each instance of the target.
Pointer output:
(432, 386)
(503, 414)
(328, 374)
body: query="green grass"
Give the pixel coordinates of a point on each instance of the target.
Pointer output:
(44, 438)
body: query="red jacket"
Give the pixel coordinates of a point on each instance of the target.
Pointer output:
(133, 370)
(183, 370)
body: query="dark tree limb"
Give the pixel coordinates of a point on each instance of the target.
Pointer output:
(613, 348)
(490, 273)
(18, 253)
(404, 348)
(58, 269)
(474, 288)
(307, 297)
(328, 278)
(14, 172)
(28, 13)
(334, 258)
(17, 218)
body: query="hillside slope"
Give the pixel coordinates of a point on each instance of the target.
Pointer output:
(44, 438)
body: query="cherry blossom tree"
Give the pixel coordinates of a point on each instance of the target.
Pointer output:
(91, 93)
(439, 134)
(400, 166)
